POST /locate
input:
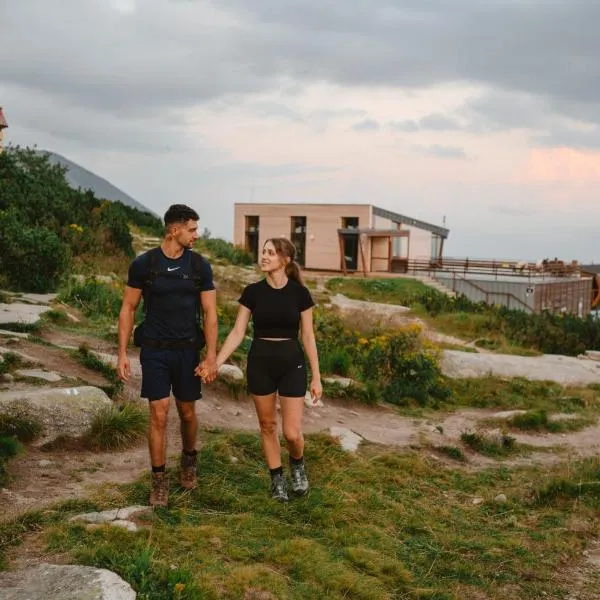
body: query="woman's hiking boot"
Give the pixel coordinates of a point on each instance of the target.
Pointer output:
(159, 492)
(279, 490)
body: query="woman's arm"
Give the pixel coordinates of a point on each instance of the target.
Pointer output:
(232, 341)
(307, 333)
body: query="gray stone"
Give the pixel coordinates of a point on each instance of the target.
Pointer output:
(501, 499)
(508, 414)
(124, 524)
(39, 374)
(476, 501)
(18, 312)
(62, 411)
(7, 378)
(566, 370)
(349, 440)
(38, 298)
(343, 382)
(97, 517)
(119, 517)
(231, 372)
(45, 462)
(131, 511)
(64, 582)
(13, 334)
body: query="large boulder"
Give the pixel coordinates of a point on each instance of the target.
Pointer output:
(64, 582)
(61, 411)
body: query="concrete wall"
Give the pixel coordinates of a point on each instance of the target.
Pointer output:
(419, 245)
(322, 223)
(567, 295)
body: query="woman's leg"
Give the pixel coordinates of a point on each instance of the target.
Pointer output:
(292, 410)
(267, 420)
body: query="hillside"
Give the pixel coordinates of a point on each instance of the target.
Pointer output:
(78, 177)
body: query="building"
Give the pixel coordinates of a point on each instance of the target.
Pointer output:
(3, 126)
(340, 237)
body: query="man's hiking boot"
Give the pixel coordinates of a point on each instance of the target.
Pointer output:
(299, 479)
(159, 493)
(188, 477)
(279, 488)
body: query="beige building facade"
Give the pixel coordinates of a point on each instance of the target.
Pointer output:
(340, 237)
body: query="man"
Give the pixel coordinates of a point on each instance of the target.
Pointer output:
(177, 286)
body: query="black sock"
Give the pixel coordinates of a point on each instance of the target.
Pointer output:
(160, 469)
(296, 461)
(190, 453)
(276, 471)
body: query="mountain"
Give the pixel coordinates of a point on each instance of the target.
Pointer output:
(78, 177)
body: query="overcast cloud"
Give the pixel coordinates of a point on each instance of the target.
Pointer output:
(486, 113)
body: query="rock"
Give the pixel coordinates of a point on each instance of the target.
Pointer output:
(231, 372)
(348, 439)
(566, 370)
(507, 414)
(308, 402)
(234, 459)
(343, 382)
(13, 334)
(7, 377)
(64, 582)
(112, 515)
(61, 411)
(592, 354)
(45, 463)
(18, 312)
(477, 501)
(39, 374)
(501, 499)
(129, 525)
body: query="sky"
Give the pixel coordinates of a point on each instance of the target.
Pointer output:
(484, 116)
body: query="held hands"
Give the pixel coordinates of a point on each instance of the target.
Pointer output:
(207, 370)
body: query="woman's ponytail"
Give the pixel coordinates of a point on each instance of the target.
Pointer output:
(292, 270)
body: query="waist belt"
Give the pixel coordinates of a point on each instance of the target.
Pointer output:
(174, 344)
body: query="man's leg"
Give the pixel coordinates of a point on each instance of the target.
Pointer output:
(189, 433)
(157, 443)
(187, 388)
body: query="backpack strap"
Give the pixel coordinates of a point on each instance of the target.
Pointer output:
(198, 262)
(153, 257)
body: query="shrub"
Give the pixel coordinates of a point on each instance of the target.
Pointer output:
(94, 298)
(9, 361)
(499, 445)
(20, 423)
(9, 447)
(224, 250)
(32, 259)
(117, 427)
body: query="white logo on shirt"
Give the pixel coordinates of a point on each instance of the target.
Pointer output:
(173, 269)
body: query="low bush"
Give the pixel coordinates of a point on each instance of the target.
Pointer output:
(94, 298)
(117, 427)
(226, 251)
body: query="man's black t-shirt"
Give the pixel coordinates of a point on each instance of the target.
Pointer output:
(276, 312)
(173, 301)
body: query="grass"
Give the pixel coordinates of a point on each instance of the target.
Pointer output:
(540, 421)
(20, 422)
(401, 291)
(9, 447)
(9, 362)
(491, 445)
(117, 427)
(376, 525)
(518, 393)
(88, 359)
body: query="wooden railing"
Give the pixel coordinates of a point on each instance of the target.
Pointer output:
(467, 266)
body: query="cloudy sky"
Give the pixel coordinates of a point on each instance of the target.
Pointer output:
(485, 113)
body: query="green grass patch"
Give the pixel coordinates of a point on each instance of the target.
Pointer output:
(490, 445)
(117, 427)
(88, 359)
(376, 525)
(452, 451)
(9, 447)
(20, 421)
(539, 420)
(96, 299)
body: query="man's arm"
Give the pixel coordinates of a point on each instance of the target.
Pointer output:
(131, 299)
(208, 300)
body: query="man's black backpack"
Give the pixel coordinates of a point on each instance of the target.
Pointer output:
(197, 267)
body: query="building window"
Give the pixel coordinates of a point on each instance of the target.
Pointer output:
(436, 245)
(298, 237)
(400, 247)
(349, 222)
(252, 230)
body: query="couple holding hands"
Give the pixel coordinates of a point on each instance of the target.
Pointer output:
(177, 286)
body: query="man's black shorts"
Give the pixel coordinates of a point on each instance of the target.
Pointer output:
(276, 366)
(164, 370)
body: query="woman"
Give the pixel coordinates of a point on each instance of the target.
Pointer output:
(279, 305)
